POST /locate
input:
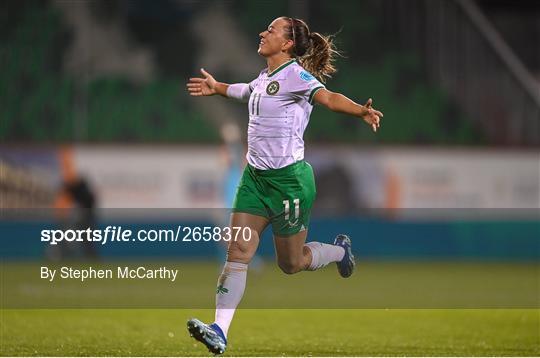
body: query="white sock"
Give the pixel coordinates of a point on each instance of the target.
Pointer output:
(323, 254)
(231, 285)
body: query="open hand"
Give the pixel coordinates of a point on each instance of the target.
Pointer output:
(372, 116)
(198, 86)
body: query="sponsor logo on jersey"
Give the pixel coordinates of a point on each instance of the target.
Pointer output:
(272, 88)
(306, 76)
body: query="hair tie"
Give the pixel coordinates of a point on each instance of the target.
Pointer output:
(293, 34)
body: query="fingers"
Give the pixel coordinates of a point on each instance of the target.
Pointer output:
(374, 112)
(368, 103)
(205, 74)
(194, 88)
(373, 118)
(196, 80)
(375, 122)
(195, 93)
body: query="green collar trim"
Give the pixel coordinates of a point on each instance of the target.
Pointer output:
(281, 67)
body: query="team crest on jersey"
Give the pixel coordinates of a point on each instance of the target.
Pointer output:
(272, 88)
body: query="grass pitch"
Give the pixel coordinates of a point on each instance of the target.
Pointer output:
(370, 314)
(273, 332)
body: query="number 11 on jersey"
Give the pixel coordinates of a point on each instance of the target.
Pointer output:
(296, 203)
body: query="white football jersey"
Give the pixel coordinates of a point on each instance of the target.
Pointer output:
(279, 108)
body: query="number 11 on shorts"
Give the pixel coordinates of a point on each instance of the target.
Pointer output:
(296, 203)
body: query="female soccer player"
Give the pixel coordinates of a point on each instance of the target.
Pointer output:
(277, 186)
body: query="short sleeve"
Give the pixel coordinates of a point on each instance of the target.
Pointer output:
(304, 85)
(254, 83)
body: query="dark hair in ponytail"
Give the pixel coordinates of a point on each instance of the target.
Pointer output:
(315, 52)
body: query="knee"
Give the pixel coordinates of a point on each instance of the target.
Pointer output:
(290, 266)
(239, 253)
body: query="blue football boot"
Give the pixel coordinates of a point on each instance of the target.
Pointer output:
(208, 334)
(346, 265)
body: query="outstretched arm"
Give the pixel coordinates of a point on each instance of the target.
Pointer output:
(208, 86)
(339, 103)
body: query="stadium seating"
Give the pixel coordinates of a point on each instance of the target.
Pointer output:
(42, 103)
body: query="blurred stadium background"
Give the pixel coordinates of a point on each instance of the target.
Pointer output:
(95, 123)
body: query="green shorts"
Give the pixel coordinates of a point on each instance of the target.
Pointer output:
(284, 196)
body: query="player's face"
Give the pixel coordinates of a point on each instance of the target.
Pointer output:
(273, 40)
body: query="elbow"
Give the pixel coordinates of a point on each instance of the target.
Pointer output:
(331, 102)
(331, 106)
